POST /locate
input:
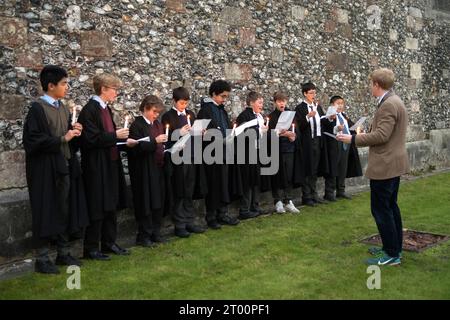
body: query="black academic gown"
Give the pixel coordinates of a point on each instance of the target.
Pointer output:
(217, 174)
(44, 163)
(97, 164)
(279, 180)
(304, 157)
(250, 173)
(334, 150)
(147, 179)
(176, 177)
(354, 164)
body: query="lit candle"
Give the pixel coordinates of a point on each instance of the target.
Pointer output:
(126, 122)
(267, 121)
(358, 130)
(234, 128)
(167, 130)
(74, 115)
(293, 127)
(189, 120)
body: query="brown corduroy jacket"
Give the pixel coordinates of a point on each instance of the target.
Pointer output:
(387, 140)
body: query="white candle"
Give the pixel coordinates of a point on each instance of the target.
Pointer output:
(293, 127)
(189, 120)
(358, 130)
(267, 121)
(126, 122)
(167, 130)
(234, 128)
(74, 115)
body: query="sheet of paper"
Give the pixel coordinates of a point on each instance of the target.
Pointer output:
(245, 125)
(285, 120)
(146, 139)
(330, 135)
(199, 125)
(179, 145)
(330, 112)
(358, 123)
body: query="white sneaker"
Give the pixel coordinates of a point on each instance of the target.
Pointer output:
(291, 208)
(279, 207)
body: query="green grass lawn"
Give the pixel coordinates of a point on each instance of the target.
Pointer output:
(313, 255)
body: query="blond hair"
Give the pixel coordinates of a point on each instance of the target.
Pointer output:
(384, 77)
(105, 80)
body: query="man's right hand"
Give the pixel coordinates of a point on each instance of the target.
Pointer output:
(122, 133)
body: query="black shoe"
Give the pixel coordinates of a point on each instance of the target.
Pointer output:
(320, 201)
(329, 198)
(159, 239)
(309, 203)
(96, 255)
(343, 196)
(214, 225)
(231, 221)
(146, 243)
(192, 228)
(248, 215)
(116, 250)
(182, 233)
(67, 260)
(46, 267)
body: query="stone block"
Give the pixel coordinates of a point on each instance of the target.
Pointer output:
(96, 44)
(30, 59)
(337, 62)
(246, 37)
(11, 106)
(219, 32)
(412, 44)
(238, 72)
(415, 71)
(176, 5)
(13, 32)
(12, 169)
(236, 17)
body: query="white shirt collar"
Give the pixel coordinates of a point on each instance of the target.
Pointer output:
(146, 120)
(48, 99)
(99, 100)
(207, 100)
(180, 113)
(381, 98)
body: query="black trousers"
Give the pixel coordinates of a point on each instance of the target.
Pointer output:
(104, 230)
(337, 183)
(61, 240)
(184, 206)
(383, 202)
(250, 200)
(287, 158)
(150, 225)
(309, 187)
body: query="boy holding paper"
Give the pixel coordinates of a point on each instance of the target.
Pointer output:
(343, 159)
(282, 182)
(251, 173)
(103, 174)
(184, 176)
(145, 163)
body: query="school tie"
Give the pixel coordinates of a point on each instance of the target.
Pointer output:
(341, 120)
(182, 119)
(314, 124)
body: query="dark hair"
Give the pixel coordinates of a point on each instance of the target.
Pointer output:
(150, 102)
(307, 87)
(252, 97)
(335, 98)
(180, 93)
(279, 95)
(51, 74)
(219, 86)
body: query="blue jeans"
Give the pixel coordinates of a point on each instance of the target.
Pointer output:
(383, 202)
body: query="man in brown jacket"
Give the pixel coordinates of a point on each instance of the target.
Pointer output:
(388, 160)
